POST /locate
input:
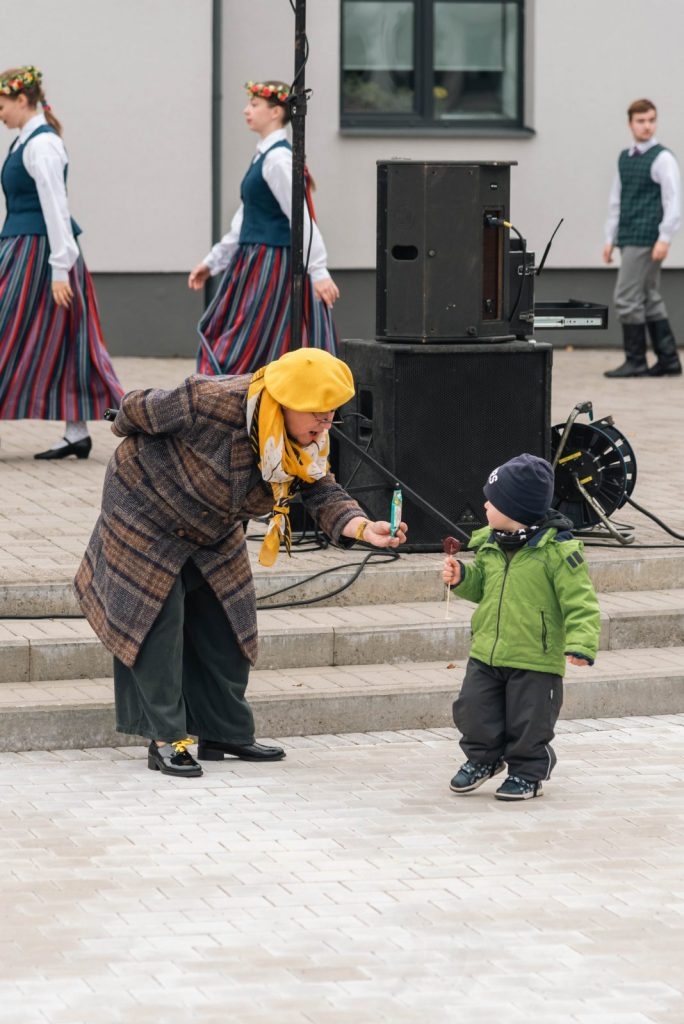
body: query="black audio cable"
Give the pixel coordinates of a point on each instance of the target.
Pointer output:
(498, 222)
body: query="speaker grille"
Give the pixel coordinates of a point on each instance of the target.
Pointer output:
(442, 418)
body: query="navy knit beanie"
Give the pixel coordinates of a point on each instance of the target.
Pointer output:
(522, 488)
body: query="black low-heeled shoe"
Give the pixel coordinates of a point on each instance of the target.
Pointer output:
(81, 449)
(208, 750)
(173, 759)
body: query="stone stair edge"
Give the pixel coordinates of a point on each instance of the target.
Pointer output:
(626, 662)
(651, 598)
(348, 636)
(611, 571)
(589, 694)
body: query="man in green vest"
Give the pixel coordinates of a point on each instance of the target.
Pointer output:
(643, 216)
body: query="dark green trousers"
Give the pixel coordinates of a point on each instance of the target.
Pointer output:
(190, 676)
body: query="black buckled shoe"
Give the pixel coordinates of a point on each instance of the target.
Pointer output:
(208, 750)
(173, 759)
(81, 449)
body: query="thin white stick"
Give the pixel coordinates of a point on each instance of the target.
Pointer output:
(448, 590)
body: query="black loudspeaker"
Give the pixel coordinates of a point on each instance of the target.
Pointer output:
(442, 269)
(441, 418)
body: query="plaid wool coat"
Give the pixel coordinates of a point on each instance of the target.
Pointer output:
(180, 485)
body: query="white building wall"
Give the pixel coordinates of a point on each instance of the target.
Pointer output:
(131, 82)
(589, 60)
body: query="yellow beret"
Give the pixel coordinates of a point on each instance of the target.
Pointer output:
(309, 380)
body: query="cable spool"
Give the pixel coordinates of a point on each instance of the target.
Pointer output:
(595, 471)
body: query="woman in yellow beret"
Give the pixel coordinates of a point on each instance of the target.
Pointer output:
(166, 581)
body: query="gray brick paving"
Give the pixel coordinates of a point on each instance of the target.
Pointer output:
(347, 884)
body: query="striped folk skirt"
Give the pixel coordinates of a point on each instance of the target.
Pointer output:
(53, 361)
(247, 324)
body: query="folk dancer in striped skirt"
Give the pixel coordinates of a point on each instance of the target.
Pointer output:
(53, 361)
(247, 324)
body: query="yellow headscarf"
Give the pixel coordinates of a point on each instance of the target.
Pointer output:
(305, 380)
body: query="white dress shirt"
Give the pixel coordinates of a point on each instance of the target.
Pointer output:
(665, 172)
(277, 173)
(45, 159)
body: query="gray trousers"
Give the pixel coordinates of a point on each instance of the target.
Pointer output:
(190, 676)
(509, 713)
(637, 291)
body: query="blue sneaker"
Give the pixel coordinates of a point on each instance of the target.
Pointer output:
(515, 788)
(469, 776)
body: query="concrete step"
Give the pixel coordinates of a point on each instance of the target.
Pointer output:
(336, 578)
(79, 713)
(53, 649)
(332, 578)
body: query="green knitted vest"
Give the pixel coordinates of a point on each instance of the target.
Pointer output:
(641, 207)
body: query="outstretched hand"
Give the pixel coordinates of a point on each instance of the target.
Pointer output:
(379, 533)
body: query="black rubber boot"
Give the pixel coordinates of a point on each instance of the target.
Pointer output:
(634, 342)
(665, 348)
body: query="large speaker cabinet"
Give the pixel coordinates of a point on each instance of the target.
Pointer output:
(441, 417)
(442, 272)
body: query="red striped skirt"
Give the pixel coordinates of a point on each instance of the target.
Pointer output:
(247, 324)
(53, 361)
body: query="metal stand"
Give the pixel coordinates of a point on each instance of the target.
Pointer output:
(622, 534)
(298, 103)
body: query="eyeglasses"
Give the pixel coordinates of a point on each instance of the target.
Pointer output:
(326, 419)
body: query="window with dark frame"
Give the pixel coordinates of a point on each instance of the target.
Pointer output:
(432, 64)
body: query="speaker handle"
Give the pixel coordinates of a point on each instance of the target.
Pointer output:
(392, 478)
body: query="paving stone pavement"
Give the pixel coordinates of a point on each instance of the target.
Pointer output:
(347, 885)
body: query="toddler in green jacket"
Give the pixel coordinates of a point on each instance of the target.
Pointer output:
(536, 608)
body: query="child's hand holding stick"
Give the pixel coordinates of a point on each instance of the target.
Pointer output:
(451, 572)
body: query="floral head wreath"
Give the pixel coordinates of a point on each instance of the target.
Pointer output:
(22, 78)
(267, 92)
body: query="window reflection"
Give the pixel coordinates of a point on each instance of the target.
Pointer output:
(378, 73)
(474, 60)
(432, 62)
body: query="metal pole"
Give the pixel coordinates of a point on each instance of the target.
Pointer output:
(216, 116)
(298, 110)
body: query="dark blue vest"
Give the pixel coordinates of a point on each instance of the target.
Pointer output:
(263, 223)
(24, 213)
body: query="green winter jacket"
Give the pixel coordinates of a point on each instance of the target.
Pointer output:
(535, 606)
